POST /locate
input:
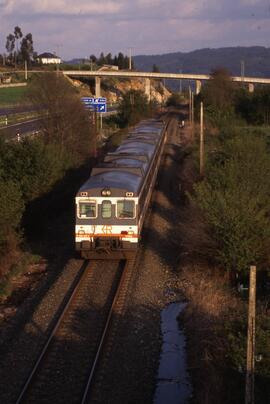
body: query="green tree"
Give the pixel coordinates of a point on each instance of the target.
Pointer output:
(33, 165)
(18, 35)
(133, 107)
(234, 199)
(11, 210)
(108, 59)
(254, 107)
(101, 60)
(27, 48)
(121, 60)
(10, 45)
(174, 100)
(155, 68)
(218, 96)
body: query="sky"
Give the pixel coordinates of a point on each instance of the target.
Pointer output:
(79, 28)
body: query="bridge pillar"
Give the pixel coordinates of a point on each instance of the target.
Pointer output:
(198, 86)
(251, 87)
(97, 86)
(148, 88)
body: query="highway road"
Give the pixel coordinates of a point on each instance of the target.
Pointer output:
(23, 129)
(31, 126)
(15, 110)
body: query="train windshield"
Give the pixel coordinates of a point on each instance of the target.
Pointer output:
(106, 209)
(125, 209)
(88, 209)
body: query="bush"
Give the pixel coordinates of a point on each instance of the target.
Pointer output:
(175, 100)
(255, 107)
(234, 200)
(33, 165)
(11, 210)
(133, 107)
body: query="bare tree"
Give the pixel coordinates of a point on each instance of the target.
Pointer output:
(66, 122)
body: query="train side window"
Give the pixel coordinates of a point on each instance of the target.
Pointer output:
(106, 209)
(88, 209)
(125, 209)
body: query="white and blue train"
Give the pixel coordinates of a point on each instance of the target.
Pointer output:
(111, 205)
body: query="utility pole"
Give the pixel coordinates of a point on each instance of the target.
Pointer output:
(25, 70)
(101, 121)
(192, 108)
(180, 83)
(242, 71)
(57, 64)
(249, 396)
(95, 134)
(130, 64)
(189, 102)
(201, 142)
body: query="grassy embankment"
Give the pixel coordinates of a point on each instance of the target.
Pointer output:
(11, 96)
(216, 318)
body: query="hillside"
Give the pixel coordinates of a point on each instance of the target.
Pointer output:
(256, 58)
(113, 89)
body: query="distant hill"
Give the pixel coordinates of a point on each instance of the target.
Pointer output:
(76, 61)
(256, 58)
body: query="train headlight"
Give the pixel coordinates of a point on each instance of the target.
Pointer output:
(81, 232)
(130, 232)
(106, 192)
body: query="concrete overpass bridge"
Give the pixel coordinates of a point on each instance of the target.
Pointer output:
(198, 78)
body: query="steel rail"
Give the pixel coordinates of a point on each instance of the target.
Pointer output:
(76, 285)
(89, 383)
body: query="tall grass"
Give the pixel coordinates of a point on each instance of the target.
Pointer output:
(12, 95)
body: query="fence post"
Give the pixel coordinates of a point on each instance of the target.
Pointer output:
(249, 396)
(201, 142)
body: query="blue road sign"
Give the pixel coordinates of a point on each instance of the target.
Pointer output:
(102, 108)
(95, 104)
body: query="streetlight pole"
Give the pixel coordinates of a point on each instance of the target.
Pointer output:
(180, 83)
(201, 141)
(242, 71)
(130, 63)
(57, 64)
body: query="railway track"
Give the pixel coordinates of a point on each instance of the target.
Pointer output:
(65, 369)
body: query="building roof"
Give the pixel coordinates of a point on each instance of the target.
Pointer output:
(48, 55)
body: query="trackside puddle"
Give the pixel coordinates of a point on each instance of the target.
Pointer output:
(173, 386)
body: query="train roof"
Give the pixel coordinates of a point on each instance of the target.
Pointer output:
(114, 180)
(128, 162)
(135, 147)
(123, 171)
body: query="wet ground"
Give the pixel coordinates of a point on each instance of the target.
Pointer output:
(173, 381)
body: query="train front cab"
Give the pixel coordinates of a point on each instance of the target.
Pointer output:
(106, 227)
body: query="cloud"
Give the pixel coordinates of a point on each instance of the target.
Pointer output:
(149, 26)
(61, 7)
